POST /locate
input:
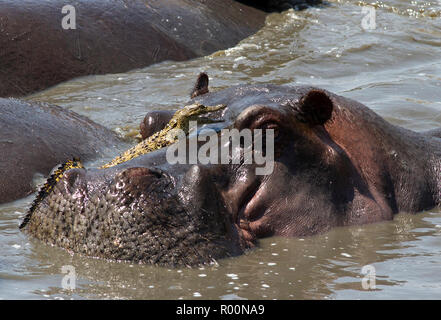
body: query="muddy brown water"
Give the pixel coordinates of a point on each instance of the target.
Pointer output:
(394, 68)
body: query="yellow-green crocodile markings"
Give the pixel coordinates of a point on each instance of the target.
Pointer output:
(166, 136)
(160, 139)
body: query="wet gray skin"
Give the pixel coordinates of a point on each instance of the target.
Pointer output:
(337, 163)
(34, 137)
(111, 37)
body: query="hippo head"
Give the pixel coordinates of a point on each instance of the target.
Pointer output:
(148, 210)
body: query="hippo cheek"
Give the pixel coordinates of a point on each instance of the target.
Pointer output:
(267, 208)
(245, 200)
(251, 215)
(200, 196)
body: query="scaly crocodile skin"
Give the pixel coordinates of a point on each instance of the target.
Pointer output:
(160, 139)
(50, 184)
(166, 136)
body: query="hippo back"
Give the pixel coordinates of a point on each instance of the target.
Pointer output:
(34, 137)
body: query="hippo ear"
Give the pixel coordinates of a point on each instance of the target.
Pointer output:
(315, 107)
(201, 85)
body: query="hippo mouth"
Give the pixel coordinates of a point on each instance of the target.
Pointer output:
(140, 215)
(246, 213)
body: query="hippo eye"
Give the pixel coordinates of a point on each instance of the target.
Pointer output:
(263, 118)
(270, 125)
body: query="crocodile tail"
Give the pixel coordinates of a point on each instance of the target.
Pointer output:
(49, 185)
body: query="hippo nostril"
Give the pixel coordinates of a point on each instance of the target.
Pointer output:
(143, 180)
(142, 172)
(73, 176)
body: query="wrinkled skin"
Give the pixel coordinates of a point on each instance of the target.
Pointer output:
(337, 163)
(168, 135)
(34, 137)
(111, 36)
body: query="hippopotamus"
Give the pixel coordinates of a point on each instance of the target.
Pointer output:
(34, 137)
(336, 163)
(45, 43)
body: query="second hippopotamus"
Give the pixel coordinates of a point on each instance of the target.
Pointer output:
(335, 163)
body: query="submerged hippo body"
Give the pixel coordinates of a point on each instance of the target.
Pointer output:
(336, 163)
(34, 137)
(110, 36)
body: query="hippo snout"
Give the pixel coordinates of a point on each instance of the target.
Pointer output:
(73, 177)
(142, 214)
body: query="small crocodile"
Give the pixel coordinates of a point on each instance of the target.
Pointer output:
(160, 139)
(167, 136)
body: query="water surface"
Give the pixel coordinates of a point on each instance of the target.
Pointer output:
(395, 69)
